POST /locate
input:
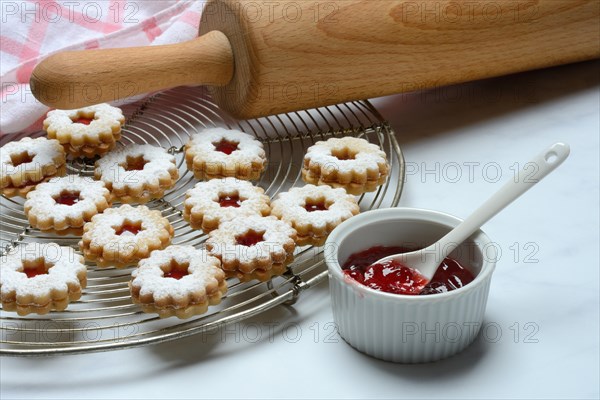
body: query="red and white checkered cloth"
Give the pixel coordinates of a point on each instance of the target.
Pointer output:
(32, 30)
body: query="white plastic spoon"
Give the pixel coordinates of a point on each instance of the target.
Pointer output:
(427, 260)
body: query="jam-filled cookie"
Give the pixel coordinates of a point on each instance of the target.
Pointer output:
(123, 236)
(88, 131)
(219, 153)
(27, 162)
(351, 163)
(137, 173)
(38, 278)
(314, 211)
(209, 203)
(253, 247)
(179, 281)
(66, 203)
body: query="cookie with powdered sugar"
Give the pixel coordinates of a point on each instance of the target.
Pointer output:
(66, 203)
(27, 162)
(179, 281)
(253, 247)
(137, 173)
(37, 278)
(88, 131)
(314, 211)
(350, 163)
(120, 237)
(219, 153)
(210, 203)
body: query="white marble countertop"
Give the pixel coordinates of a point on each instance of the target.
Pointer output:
(541, 338)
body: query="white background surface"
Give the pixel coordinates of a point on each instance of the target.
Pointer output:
(542, 321)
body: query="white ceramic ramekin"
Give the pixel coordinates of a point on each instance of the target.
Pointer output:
(402, 328)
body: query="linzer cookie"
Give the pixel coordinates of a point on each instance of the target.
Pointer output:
(88, 131)
(350, 163)
(122, 236)
(209, 203)
(314, 211)
(66, 203)
(253, 247)
(137, 173)
(27, 162)
(38, 278)
(178, 281)
(219, 153)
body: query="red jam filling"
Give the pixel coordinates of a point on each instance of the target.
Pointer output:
(135, 163)
(230, 201)
(83, 120)
(177, 271)
(393, 277)
(225, 146)
(250, 238)
(175, 274)
(320, 206)
(131, 227)
(21, 158)
(35, 269)
(67, 198)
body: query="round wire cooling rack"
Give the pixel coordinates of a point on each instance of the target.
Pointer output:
(105, 318)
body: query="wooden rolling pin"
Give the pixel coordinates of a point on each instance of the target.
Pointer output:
(262, 58)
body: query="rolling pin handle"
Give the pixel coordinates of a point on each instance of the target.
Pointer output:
(76, 79)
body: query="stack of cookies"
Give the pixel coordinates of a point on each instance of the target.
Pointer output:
(86, 132)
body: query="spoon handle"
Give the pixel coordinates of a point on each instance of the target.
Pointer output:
(532, 173)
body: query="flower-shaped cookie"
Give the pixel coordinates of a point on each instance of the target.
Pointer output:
(351, 163)
(122, 236)
(178, 281)
(137, 173)
(209, 203)
(314, 211)
(253, 247)
(87, 131)
(27, 162)
(65, 203)
(220, 152)
(38, 278)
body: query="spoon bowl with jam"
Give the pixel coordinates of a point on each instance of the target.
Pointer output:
(382, 309)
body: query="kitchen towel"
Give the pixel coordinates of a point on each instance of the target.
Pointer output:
(33, 30)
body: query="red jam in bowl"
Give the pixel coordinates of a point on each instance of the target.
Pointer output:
(393, 277)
